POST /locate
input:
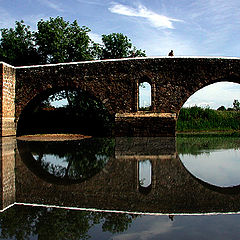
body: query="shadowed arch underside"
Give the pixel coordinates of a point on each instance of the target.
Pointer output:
(68, 111)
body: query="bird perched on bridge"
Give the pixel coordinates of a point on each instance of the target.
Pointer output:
(171, 53)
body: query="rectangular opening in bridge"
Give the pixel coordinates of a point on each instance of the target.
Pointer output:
(145, 96)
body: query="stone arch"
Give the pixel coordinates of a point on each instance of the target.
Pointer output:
(34, 100)
(40, 94)
(206, 83)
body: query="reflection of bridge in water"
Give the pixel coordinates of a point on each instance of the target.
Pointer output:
(117, 186)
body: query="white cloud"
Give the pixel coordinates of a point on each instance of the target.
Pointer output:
(92, 2)
(97, 38)
(156, 20)
(52, 5)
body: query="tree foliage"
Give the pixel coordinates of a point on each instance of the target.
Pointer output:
(222, 108)
(60, 41)
(17, 45)
(236, 105)
(57, 40)
(117, 45)
(202, 119)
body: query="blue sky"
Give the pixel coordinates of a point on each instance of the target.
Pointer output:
(190, 28)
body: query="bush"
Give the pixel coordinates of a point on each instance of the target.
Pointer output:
(205, 119)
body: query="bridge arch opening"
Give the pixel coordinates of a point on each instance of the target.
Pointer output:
(215, 95)
(213, 107)
(144, 94)
(69, 111)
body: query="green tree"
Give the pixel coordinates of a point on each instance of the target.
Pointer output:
(57, 40)
(117, 45)
(236, 105)
(17, 45)
(60, 41)
(222, 108)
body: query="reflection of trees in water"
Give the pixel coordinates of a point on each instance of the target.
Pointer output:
(200, 145)
(116, 223)
(22, 222)
(83, 158)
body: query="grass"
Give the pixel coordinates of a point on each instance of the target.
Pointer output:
(197, 119)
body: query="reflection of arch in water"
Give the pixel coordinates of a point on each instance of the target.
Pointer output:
(87, 156)
(145, 176)
(92, 118)
(223, 190)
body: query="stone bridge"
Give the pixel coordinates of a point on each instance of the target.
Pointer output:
(116, 84)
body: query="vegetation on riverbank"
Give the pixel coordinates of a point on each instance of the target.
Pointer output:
(197, 119)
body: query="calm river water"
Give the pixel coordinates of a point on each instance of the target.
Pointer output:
(121, 188)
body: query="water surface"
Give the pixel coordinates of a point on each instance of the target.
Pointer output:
(121, 188)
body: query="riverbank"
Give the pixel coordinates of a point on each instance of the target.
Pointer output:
(197, 119)
(52, 137)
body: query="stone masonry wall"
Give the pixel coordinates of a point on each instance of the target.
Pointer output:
(7, 113)
(115, 83)
(145, 125)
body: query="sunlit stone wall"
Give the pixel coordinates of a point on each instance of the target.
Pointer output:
(7, 79)
(145, 124)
